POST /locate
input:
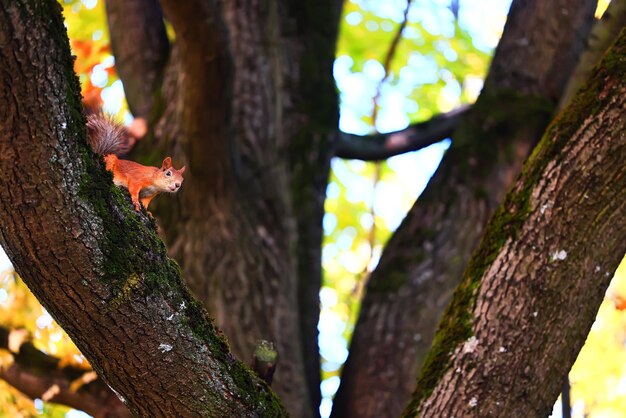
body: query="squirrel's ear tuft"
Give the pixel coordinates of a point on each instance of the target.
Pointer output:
(167, 163)
(182, 170)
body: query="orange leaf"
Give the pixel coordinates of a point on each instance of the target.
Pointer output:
(619, 302)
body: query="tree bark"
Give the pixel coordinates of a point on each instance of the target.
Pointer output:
(603, 34)
(530, 293)
(97, 265)
(253, 113)
(424, 259)
(247, 226)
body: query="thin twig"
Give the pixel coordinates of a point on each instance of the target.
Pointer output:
(391, 52)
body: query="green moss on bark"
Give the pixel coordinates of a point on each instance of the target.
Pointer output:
(457, 322)
(484, 140)
(589, 99)
(456, 326)
(135, 260)
(258, 394)
(133, 256)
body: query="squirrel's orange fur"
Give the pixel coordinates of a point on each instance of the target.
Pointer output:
(143, 182)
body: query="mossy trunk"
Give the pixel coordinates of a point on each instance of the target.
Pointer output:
(98, 266)
(532, 289)
(424, 260)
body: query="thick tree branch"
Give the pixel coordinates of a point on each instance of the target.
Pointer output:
(604, 32)
(98, 266)
(382, 146)
(510, 326)
(528, 58)
(141, 50)
(103, 403)
(424, 260)
(34, 373)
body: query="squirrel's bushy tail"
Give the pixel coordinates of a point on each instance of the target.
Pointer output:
(107, 136)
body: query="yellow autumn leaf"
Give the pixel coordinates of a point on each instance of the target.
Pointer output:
(6, 359)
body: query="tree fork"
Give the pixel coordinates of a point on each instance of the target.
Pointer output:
(424, 259)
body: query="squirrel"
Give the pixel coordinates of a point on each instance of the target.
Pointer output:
(110, 139)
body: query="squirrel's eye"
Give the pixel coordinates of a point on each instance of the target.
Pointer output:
(168, 173)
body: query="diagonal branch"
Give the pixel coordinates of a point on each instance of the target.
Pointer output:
(424, 259)
(391, 52)
(34, 373)
(141, 50)
(604, 32)
(108, 280)
(382, 146)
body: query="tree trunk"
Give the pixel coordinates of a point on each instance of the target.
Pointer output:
(531, 292)
(141, 48)
(252, 111)
(95, 264)
(424, 260)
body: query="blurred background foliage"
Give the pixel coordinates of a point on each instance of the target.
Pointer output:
(439, 63)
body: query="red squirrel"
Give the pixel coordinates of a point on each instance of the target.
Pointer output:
(111, 139)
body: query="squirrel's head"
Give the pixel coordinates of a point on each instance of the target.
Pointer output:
(169, 178)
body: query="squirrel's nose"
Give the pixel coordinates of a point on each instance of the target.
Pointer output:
(177, 184)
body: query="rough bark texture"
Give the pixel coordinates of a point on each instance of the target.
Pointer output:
(34, 372)
(603, 34)
(530, 293)
(257, 140)
(424, 260)
(98, 266)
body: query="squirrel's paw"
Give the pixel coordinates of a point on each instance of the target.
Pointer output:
(137, 206)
